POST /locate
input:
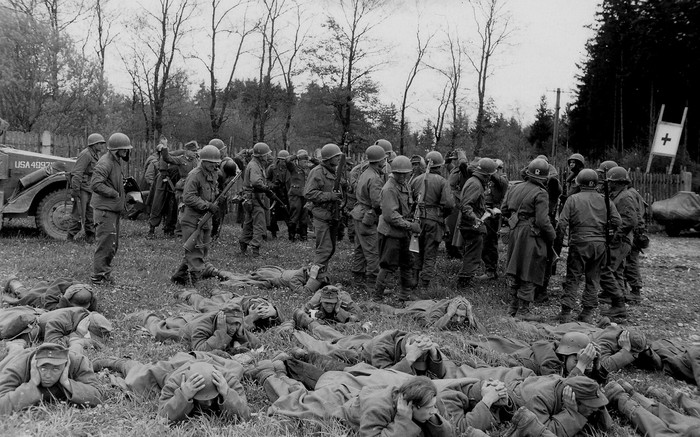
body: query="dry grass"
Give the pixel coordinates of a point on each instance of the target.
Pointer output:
(142, 269)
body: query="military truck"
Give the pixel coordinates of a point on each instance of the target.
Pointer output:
(34, 185)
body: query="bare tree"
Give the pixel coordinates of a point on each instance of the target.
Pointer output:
(492, 24)
(287, 60)
(451, 92)
(421, 49)
(105, 37)
(441, 112)
(158, 35)
(219, 99)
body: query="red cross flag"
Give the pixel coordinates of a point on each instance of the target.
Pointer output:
(666, 139)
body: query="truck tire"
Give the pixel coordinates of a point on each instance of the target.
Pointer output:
(53, 215)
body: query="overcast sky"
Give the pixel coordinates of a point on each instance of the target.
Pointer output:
(547, 42)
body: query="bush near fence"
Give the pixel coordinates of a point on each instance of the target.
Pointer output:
(652, 186)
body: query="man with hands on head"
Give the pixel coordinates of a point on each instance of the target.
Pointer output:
(476, 404)
(48, 373)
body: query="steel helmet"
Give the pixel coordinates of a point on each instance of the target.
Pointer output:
(386, 145)
(605, 166)
(543, 157)
(577, 157)
(572, 342)
(391, 156)
(217, 143)
(375, 153)
(95, 139)
(538, 169)
(587, 178)
(499, 163)
(302, 154)
(210, 153)
(261, 149)
(618, 174)
(401, 164)
(435, 157)
(282, 154)
(119, 141)
(486, 166)
(451, 155)
(329, 151)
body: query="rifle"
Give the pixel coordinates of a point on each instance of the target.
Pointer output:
(606, 190)
(191, 242)
(336, 186)
(415, 245)
(277, 199)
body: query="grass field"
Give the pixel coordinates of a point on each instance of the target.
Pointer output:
(142, 269)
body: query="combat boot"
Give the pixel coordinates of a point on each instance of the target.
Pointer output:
(303, 320)
(488, 276)
(613, 390)
(151, 233)
(635, 296)
(565, 315)
(473, 432)
(604, 297)
(586, 316)
(514, 302)
(11, 285)
(524, 312)
(618, 311)
(210, 271)
(180, 275)
(525, 423)
(243, 246)
(379, 286)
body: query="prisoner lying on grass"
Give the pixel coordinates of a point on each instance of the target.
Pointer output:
(48, 373)
(188, 384)
(59, 293)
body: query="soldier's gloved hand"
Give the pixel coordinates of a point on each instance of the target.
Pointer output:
(415, 227)
(213, 207)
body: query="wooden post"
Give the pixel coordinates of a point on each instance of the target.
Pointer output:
(555, 133)
(686, 181)
(651, 145)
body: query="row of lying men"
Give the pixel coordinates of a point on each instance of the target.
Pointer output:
(395, 381)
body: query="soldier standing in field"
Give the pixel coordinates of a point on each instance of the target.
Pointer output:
(256, 204)
(279, 180)
(395, 229)
(584, 215)
(108, 203)
(199, 196)
(527, 207)
(319, 190)
(298, 166)
(496, 191)
(365, 215)
(612, 277)
(437, 204)
(473, 206)
(80, 189)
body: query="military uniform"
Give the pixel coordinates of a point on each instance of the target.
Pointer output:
(256, 204)
(395, 236)
(612, 279)
(279, 178)
(108, 203)
(200, 191)
(633, 276)
(473, 206)
(166, 377)
(438, 203)
(47, 295)
(17, 392)
(346, 310)
(435, 313)
(584, 215)
(325, 212)
(221, 298)
(496, 191)
(161, 197)
(529, 237)
(80, 178)
(365, 217)
(298, 220)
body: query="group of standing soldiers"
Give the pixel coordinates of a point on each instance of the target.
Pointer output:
(399, 210)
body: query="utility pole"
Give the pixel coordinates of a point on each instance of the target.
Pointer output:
(555, 133)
